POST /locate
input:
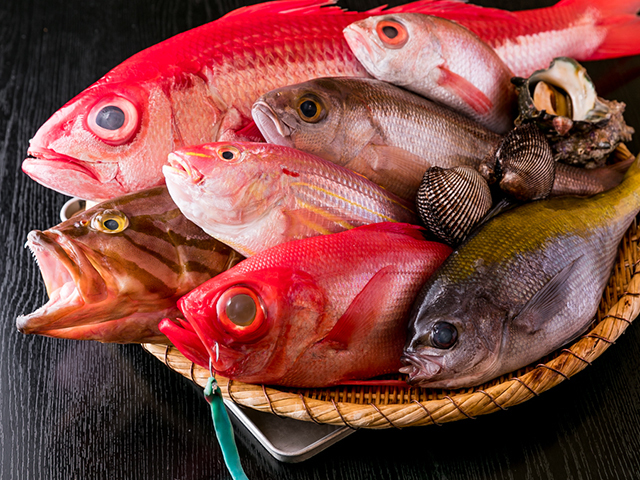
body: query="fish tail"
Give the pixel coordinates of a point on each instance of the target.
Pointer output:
(620, 17)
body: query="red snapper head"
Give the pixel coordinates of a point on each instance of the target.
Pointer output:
(114, 137)
(255, 325)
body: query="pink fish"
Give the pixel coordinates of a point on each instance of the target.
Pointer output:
(253, 196)
(198, 86)
(440, 60)
(312, 312)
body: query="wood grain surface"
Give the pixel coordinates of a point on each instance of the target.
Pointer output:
(84, 410)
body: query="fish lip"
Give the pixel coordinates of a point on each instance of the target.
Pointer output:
(91, 180)
(181, 167)
(356, 37)
(421, 368)
(49, 155)
(66, 281)
(274, 129)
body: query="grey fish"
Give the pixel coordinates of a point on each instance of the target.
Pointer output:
(385, 133)
(525, 283)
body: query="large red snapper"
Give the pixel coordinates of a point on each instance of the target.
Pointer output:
(253, 196)
(198, 87)
(312, 312)
(115, 270)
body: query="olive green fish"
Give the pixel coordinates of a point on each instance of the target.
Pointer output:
(115, 270)
(524, 284)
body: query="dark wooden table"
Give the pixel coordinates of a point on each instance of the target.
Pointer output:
(83, 410)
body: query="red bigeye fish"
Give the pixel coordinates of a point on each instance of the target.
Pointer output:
(253, 196)
(115, 270)
(312, 312)
(198, 87)
(440, 60)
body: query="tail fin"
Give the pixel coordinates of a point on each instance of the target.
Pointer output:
(621, 19)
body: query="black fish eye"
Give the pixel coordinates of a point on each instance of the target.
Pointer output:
(390, 32)
(110, 118)
(444, 335)
(308, 108)
(241, 309)
(227, 155)
(111, 224)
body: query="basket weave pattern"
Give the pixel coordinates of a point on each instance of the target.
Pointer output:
(387, 407)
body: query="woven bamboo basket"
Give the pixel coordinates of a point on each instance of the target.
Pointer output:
(386, 407)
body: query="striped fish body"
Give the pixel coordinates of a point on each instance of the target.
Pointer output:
(253, 196)
(115, 270)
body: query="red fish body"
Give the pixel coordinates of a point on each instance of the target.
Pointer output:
(198, 87)
(311, 312)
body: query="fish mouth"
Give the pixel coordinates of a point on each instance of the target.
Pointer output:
(89, 180)
(421, 368)
(270, 125)
(70, 279)
(182, 168)
(357, 38)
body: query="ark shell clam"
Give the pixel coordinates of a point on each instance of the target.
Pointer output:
(582, 128)
(526, 165)
(452, 201)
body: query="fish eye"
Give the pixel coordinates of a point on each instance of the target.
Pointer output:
(110, 221)
(310, 109)
(228, 153)
(240, 310)
(444, 335)
(392, 33)
(114, 120)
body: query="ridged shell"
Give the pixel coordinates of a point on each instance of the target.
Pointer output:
(526, 165)
(591, 128)
(452, 201)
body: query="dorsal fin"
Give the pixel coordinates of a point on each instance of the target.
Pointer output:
(288, 6)
(413, 231)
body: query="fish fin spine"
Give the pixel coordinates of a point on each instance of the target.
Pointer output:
(464, 89)
(360, 316)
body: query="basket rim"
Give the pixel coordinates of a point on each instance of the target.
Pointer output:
(619, 306)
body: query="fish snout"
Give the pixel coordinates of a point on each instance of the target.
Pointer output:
(270, 124)
(362, 42)
(420, 368)
(180, 166)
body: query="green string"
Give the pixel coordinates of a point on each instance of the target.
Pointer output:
(224, 430)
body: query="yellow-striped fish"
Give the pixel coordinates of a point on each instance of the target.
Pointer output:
(115, 270)
(253, 196)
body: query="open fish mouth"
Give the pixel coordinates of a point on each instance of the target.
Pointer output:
(70, 279)
(270, 125)
(420, 368)
(181, 167)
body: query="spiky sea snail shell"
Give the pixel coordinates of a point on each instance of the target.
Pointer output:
(452, 201)
(526, 165)
(583, 129)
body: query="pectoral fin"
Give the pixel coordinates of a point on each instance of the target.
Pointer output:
(394, 168)
(546, 302)
(359, 318)
(464, 89)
